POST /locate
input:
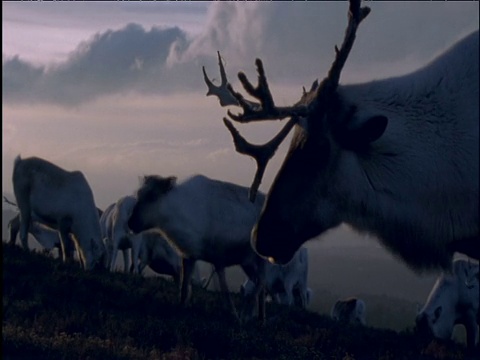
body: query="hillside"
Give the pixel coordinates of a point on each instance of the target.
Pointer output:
(56, 311)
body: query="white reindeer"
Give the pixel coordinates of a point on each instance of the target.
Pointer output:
(115, 231)
(286, 284)
(396, 158)
(349, 311)
(454, 299)
(62, 200)
(150, 248)
(207, 220)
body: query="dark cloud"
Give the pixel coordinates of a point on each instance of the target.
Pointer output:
(19, 79)
(130, 59)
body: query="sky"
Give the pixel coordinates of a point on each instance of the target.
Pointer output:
(115, 89)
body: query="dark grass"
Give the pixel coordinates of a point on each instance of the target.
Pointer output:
(53, 310)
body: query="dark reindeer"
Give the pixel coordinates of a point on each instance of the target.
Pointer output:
(396, 158)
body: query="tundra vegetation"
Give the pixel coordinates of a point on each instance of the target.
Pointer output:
(60, 311)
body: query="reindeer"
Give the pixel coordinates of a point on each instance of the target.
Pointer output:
(45, 236)
(395, 158)
(204, 219)
(349, 311)
(454, 299)
(286, 284)
(63, 201)
(115, 231)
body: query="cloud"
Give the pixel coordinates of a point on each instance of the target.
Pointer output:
(295, 40)
(130, 59)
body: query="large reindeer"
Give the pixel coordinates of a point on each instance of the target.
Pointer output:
(396, 158)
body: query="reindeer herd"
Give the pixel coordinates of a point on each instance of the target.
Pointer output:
(396, 158)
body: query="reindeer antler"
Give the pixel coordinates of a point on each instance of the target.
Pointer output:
(261, 153)
(355, 16)
(224, 95)
(265, 108)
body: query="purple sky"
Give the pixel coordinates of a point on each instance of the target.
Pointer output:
(115, 89)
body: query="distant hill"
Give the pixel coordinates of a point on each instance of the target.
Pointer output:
(58, 311)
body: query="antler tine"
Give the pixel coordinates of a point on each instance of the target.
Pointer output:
(261, 153)
(224, 95)
(266, 110)
(262, 91)
(224, 92)
(355, 16)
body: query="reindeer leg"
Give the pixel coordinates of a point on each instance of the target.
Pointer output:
(24, 227)
(13, 228)
(126, 260)
(136, 256)
(113, 258)
(66, 242)
(471, 330)
(225, 291)
(257, 298)
(185, 280)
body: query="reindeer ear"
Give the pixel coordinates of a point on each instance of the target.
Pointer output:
(370, 130)
(358, 134)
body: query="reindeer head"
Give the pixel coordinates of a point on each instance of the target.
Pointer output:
(315, 118)
(148, 196)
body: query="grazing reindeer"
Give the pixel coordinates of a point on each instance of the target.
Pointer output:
(63, 201)
(349, 311)
(454, 299)
(396, 158)
(150, 248)
(47, 237)
(286, 284)
(207, 220)
(115, 231)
